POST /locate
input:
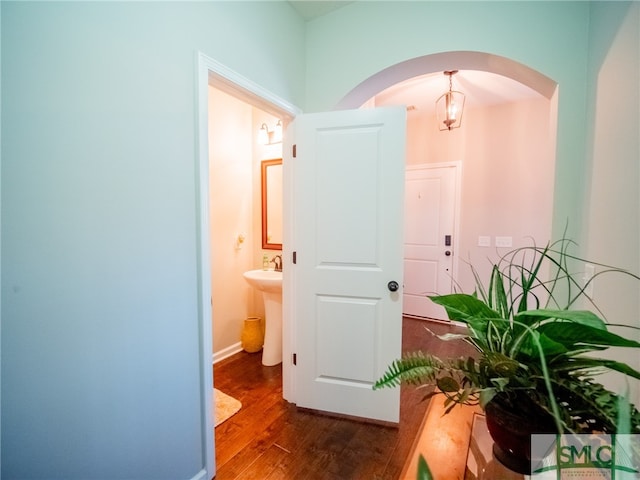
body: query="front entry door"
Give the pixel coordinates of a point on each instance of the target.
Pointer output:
(430, 205)
(348, 179)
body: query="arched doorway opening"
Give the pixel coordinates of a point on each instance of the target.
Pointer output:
(506, 147)
(438, 62)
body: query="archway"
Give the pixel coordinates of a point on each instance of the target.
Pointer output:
(508, 154)
(437, 62)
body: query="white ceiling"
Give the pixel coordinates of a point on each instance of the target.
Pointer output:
(480, 89)
(310, 9)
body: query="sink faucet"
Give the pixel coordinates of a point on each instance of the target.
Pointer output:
(277, 261)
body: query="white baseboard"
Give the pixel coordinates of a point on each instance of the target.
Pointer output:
(226, 352)
(201, 475)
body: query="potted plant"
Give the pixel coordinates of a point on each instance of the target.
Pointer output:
(535, 366)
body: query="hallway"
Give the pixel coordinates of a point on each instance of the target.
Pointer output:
(270, 439)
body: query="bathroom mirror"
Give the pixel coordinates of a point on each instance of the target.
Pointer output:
(272, 204)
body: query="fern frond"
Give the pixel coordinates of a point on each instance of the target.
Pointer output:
(414, 368)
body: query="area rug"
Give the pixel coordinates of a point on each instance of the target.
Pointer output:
(224, 406)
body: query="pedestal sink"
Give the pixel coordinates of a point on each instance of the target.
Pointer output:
(269, 282)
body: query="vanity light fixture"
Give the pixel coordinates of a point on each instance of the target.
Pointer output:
(263, 134)
(269, 137)
(449, 106)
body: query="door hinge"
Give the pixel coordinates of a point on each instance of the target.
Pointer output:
(295, 358)
(294, 150)
(295, 257)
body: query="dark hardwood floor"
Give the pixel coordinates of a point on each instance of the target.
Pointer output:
(271, 439)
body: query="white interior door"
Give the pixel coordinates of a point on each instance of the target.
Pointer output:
(348, 200)
(429, 237)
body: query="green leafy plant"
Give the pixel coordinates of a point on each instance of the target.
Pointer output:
(535, 350)
(423, 470)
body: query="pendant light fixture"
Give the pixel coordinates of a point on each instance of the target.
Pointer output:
(449, 106)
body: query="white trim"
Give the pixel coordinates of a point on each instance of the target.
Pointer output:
(226, 352)
(201, 475)
(247, 90)
(289, 284)
(210, 71)
(204, 268)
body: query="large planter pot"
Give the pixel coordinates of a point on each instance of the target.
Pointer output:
(511, 433)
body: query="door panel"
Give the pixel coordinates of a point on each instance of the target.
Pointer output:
(430, 200)
(340, 214)
(348, 202)
(353, 317)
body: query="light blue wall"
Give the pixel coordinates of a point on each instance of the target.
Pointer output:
(99, 309)
(100, 360)
(351, 44)
(0, 247)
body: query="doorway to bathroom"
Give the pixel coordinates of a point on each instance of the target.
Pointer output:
(232, 245)
(239, 160)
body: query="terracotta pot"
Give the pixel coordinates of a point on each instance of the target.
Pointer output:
(511, 433)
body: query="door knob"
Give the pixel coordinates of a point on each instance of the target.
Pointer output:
(393, 286)
(448, 253)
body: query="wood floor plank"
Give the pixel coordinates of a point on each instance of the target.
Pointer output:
(256, 434)
(270, 439)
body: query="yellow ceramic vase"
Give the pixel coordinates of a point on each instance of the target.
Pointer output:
(252, 336)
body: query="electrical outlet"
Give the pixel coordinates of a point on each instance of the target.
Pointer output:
(484, 241)
(504, 241)
(589, 272)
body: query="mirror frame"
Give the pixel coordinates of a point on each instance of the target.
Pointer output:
(265, 164)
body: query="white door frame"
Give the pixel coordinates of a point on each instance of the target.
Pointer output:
(225, 79)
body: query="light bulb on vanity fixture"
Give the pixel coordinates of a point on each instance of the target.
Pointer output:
(263, 134)
(277, 132)
(449, 106)
(270, 137)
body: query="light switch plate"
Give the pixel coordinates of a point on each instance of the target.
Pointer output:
(504, 241)
(484, 241)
